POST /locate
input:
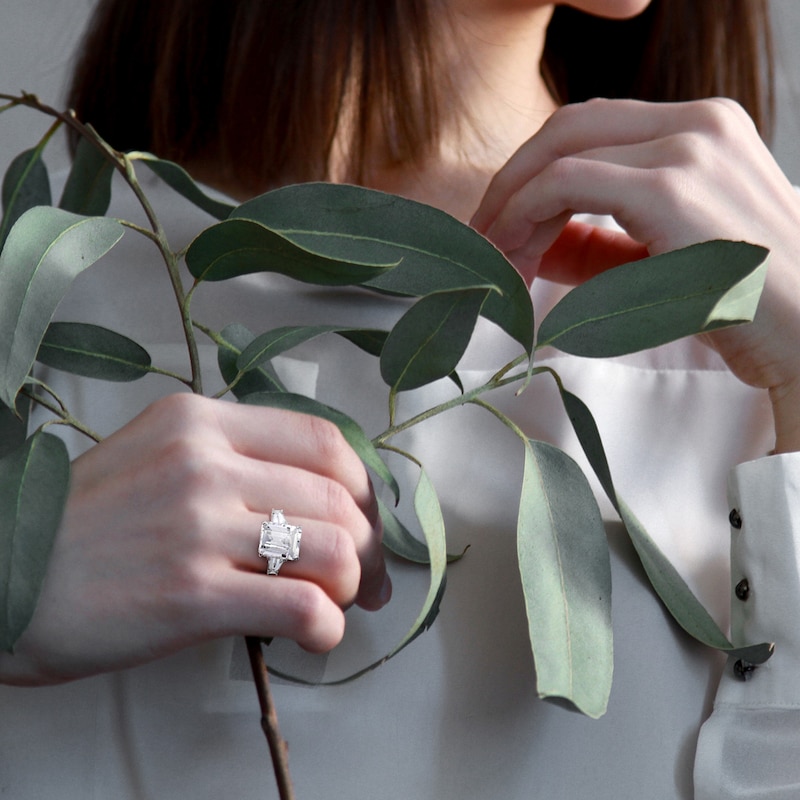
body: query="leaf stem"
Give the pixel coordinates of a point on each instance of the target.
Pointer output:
(507, 421)
(405, 454)
(63, 416)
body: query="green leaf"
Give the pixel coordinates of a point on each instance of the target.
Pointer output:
(34, 480)
(93, 352)
(666, 581)
(25, 185)
(400, 541)
(350, 429)
(232, 340)
(429, 514)
(88, 187)
(279, 340)
(13, 425)
(429, 339)
(566, 578)
(433, 250)
(179, 179)
(241, 246)
(44, 252)
(370, 340)
(658, 300)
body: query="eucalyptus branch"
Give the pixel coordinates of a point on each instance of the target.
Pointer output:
(269, 719)
(124, 166)
(64, 417)
(461, 400)
(173, 270)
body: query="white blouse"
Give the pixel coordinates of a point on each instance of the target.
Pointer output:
(456, 715)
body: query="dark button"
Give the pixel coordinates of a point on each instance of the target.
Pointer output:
(743, 589)
(735, 519)
(744, 669)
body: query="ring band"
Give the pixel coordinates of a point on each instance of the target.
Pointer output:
(279, 542)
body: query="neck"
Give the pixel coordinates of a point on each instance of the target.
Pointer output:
(493, 60)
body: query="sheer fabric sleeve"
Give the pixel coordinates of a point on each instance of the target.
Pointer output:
(750, 745)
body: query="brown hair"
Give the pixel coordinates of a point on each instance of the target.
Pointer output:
(209, 80)
(674, 50)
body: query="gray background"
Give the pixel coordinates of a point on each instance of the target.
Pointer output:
(37, 38)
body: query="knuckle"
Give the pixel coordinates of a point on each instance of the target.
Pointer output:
(668, 183)
(176, 408)
(189, 467)
(561, 171)
(326, 438)
(686, 151)
(720, 117)
(339, 505)
(340, 551)
(185, 590)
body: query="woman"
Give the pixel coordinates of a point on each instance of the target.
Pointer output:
(157, 550)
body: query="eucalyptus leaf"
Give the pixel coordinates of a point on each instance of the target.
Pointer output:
(34, 480)
(350, 429)
(433, 250)
(369, 340)
(667, 582)
(232, 340)
(429, 339)
(399, 540)
(179, 179)
(241, 246)
(658, 300)
(402, 543)
(88, 187)
(566, 577)
(45, 250)
(25, 185)
(13, 425)
(279, 340)
(93, 352)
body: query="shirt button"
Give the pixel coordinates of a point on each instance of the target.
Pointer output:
(743, 589)
(735, 519)
(743, 669)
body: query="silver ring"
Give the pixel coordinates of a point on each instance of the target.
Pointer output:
(279, 542)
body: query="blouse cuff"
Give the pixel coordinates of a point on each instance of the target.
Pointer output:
(764, 498)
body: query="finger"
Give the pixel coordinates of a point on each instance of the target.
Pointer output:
(322, 503)
(247, 604)
(299, 440)
(575, 129)
(327, 557)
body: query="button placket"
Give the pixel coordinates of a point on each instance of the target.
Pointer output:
(742, 669)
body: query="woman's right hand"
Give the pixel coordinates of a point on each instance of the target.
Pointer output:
(157, 549)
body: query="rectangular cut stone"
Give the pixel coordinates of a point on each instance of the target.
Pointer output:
(279, 539)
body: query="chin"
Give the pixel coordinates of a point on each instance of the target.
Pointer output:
(611, 9)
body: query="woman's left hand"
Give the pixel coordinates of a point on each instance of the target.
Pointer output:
(671, 175)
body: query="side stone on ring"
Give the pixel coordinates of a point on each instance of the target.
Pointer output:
(279, 541)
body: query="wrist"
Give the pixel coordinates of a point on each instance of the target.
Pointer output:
(786, 413)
